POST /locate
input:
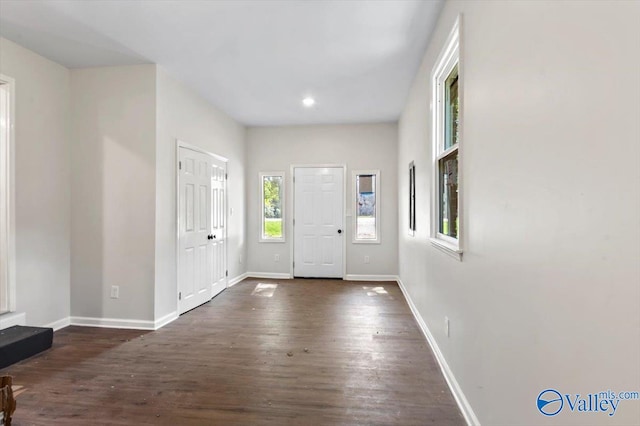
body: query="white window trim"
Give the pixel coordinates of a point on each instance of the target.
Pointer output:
(448, 59)
(354, 198)
(262, 239)
(7, 216)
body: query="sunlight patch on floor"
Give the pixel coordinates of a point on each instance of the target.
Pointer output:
(375, 291)
(264, 290)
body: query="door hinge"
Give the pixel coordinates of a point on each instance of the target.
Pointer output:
(226, 176)
(294, 264)
(226, 273)
(294, 222)
(179, 165)
(180, 296)
(294, 179)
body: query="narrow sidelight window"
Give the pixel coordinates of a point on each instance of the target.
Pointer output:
(272, 211)
(367, 206)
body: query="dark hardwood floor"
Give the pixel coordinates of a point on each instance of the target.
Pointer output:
(318, 352)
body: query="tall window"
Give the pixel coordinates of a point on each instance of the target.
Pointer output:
(7, 196)
(366, 186)
(445, 227)
(412, 198)
(272, 211)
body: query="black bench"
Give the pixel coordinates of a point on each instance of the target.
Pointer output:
(19, 342)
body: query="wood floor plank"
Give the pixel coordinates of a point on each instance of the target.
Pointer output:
(318, 352)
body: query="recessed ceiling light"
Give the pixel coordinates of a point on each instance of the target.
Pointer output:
(308, 102)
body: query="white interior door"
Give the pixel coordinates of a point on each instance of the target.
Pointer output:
(218, 226)
(194, 222)
(318, 222)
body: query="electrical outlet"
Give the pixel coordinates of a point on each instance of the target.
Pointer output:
(446, 326)
(115, 291)
(276, 257)
(366, 259)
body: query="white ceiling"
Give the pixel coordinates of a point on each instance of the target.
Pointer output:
(255, 60)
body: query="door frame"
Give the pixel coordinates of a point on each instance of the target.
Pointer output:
(181, 144)
(292, 196)
(7, 180)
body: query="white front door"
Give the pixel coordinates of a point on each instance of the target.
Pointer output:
(218, 226)
(201, 228)
(318, 222)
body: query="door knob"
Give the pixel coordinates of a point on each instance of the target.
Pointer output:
(339, 231)
(214, 236)
(209, 237)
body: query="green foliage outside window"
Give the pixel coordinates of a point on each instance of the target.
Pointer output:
(272, 206)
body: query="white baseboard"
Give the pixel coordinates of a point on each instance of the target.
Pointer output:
(161, 322)
(12, 318)
(113, 323)
(348, 277)
(61, 323)
(355, 277)
(271, 275)
(462, 401)
(236, 280)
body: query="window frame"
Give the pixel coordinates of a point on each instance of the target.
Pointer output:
(354, 198)
(7, 206)
(449, 59)
(262, 237)
(412, 198)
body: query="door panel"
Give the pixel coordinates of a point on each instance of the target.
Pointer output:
(327, 250)
(189, 206)
(190, 273)
(218, 227)
(308, 249)
(319, 218)
(202, 260)
(194, 224)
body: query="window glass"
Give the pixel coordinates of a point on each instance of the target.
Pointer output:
(451, 109)
(448, 169)
(272, 207)
(366, 207)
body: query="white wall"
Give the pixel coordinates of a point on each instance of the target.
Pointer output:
(117, 214)
(184, 115)
(548, 292)
(366, 146)
(42, 179)
(113, 191)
